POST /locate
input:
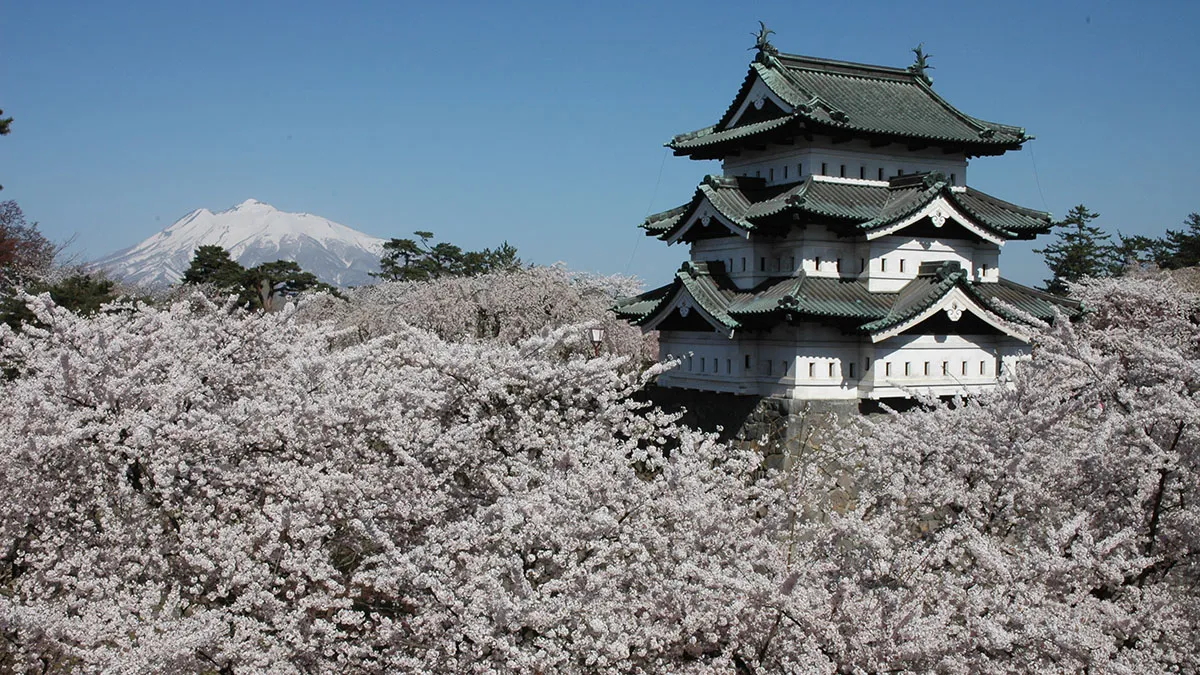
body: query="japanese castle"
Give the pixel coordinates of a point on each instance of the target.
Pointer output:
(840, 255)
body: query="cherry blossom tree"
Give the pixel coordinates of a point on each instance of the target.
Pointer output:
(1052, 526)
(194, 487)
(502, 306)
(199, 488)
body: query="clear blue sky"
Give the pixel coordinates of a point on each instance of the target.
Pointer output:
(543, 123)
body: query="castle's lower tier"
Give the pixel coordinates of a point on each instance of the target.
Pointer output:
(821, 363)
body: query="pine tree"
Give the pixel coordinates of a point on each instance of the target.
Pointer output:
(213, 265)
(81, 293)
(268, 282)
(5, 127)
(1082, 250)
(1181, 248)
(1136, 251)
(410, 260)
(259, 287)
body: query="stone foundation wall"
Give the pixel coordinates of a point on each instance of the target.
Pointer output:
(777, 427)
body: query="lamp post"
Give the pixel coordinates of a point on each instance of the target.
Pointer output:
(596, 335)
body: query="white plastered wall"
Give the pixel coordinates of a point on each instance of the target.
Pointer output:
(780, 164)
(894, 260)
(813, 362)
(887, 263)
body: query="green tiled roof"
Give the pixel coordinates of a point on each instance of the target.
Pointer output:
(711, 136)
(864, 205)
(998, 297)
(846, 301)
(662, 222)
(919, 295)
(851, 98)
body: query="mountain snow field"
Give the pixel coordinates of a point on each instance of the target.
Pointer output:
(253, 233)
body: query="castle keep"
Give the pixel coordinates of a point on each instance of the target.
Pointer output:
(841, 254)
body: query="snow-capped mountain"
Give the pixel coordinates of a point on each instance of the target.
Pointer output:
(253, 233)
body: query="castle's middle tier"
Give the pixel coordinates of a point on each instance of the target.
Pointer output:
(880, 232)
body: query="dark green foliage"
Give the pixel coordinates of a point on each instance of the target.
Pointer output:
(212, 265)
(269, 282)
(1181, 248)
(26, 258)
(80, 293)
(5, 127)
(410, 260)
(260, 287)
(1082, 250)
(1134, 252)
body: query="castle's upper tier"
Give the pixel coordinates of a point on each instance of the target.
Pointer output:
(787, 98)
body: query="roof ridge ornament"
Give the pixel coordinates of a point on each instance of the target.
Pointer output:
(919, 67)
(765, 49)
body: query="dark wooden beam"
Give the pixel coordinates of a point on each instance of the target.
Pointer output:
(917, 145)
(842, 138)
(879, 142)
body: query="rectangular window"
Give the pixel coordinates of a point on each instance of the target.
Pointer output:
(812, 369)
(862, 172)
(792, 264)
(899, 172)
(799, 170)
(728, 366)
(902, 266)
(907, 368)
(702, 364)
(729, 264)
(983, 367)
(832, 369)
(778, 264)
(771, 174)
(887, 369)
(983, 270)
(823, 168)
(867, 365)
(747, 362)
(817, 263)
(838, 266)
(762, 264)
(743, 264)
(689, 362)
(862, 265)
(953, 180)
(945, 367)
(851, 365)
(881, 173)
(842, 171)
(785, 168)
(927, 369)
(783, 367)
(883, 264)
(964, 368)
(769, 362)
